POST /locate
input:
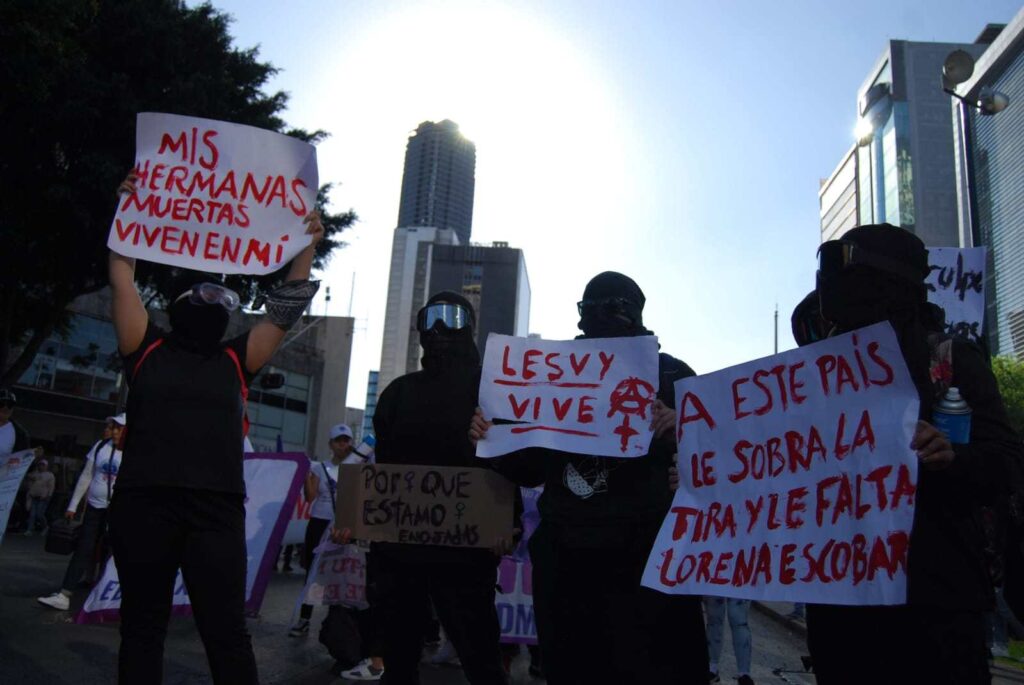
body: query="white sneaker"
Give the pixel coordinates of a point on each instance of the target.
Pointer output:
(300, 628)
(363, 671)
(58, 600)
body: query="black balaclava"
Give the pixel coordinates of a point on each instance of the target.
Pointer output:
(443, 347)
(194, 326)
(198, 326)
(861, 295)
(622, 313)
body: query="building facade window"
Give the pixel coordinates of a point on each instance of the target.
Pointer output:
(84, 364)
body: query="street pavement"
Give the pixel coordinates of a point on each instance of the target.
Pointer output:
(41, 646)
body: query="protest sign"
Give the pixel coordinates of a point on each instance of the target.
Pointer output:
(337, 576)
(589, 396)
(272, 484)
(797, 477)
(427, 505)
(515, 602)
(957, 284)
(13, 468)
(215, 196)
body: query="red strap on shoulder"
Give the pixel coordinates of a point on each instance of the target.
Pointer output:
(245, 389)
(145, 353)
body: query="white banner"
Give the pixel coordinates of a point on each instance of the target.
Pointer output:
(215, 196)
(797, 477)
(337, 576)
(589, 396)
(272, 484)
(13, 468)
(957, 284)
(515, 601)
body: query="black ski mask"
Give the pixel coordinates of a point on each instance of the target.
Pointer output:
(198, 326)
(445, 346)
(873, 273)
(612, 307)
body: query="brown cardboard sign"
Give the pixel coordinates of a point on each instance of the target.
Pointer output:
(425, 505)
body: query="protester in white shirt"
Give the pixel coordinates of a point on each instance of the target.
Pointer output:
(320, 487)
(96, 484)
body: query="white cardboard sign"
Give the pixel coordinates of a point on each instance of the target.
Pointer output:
(590, 396)
(215, 196)
(957, 284)
(797, 477)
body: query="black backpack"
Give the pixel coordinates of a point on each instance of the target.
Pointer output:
(340, 635)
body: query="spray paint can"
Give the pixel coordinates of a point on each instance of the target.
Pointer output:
(952, 416)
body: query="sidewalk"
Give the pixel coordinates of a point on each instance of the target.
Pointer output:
(41, 645)
(779, 612)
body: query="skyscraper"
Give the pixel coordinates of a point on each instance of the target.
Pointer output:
(431, 251)
(439, 179)
(991, 182)
(493, 279)
(901, 169)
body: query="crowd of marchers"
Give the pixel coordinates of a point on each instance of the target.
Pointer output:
(178, 497)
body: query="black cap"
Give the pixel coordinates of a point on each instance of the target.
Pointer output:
(7, 396)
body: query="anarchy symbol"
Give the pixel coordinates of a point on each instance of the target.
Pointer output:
(631, 396)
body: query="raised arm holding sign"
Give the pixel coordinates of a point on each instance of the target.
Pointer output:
(180, 487)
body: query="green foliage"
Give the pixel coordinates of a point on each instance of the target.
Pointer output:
(74, 74)
(1010, 375)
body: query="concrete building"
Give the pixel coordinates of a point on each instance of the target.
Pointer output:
(407, 282)
(493, 279)
(901, 169)
(371, 403)
(75, 382)
(990, 180)
(439, 179)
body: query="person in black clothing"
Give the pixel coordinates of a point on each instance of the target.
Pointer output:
(421, 418)
(595, 623)
(874, 274)
(179, 497)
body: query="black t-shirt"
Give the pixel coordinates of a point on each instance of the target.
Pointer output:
(185, 417)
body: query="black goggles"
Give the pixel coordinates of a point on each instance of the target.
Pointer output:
(836, 255)
(608, 304)
(211, 293)
(6, 404)
(453, 316)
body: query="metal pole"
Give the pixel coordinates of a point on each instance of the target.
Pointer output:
(776, 328)
(969, 175)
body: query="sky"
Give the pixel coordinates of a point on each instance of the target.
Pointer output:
(680, 143)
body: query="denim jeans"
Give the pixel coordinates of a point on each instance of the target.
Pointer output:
(37, 512)
(737, 609)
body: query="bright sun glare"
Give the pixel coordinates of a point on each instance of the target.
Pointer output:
(546, 128)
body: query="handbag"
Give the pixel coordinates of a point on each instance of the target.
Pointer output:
(62, 536)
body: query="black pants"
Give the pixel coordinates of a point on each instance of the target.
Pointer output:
(93, 526)
(314, 531)
(902, 644)
(156, 531)
(463, 595)
(596, 624)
